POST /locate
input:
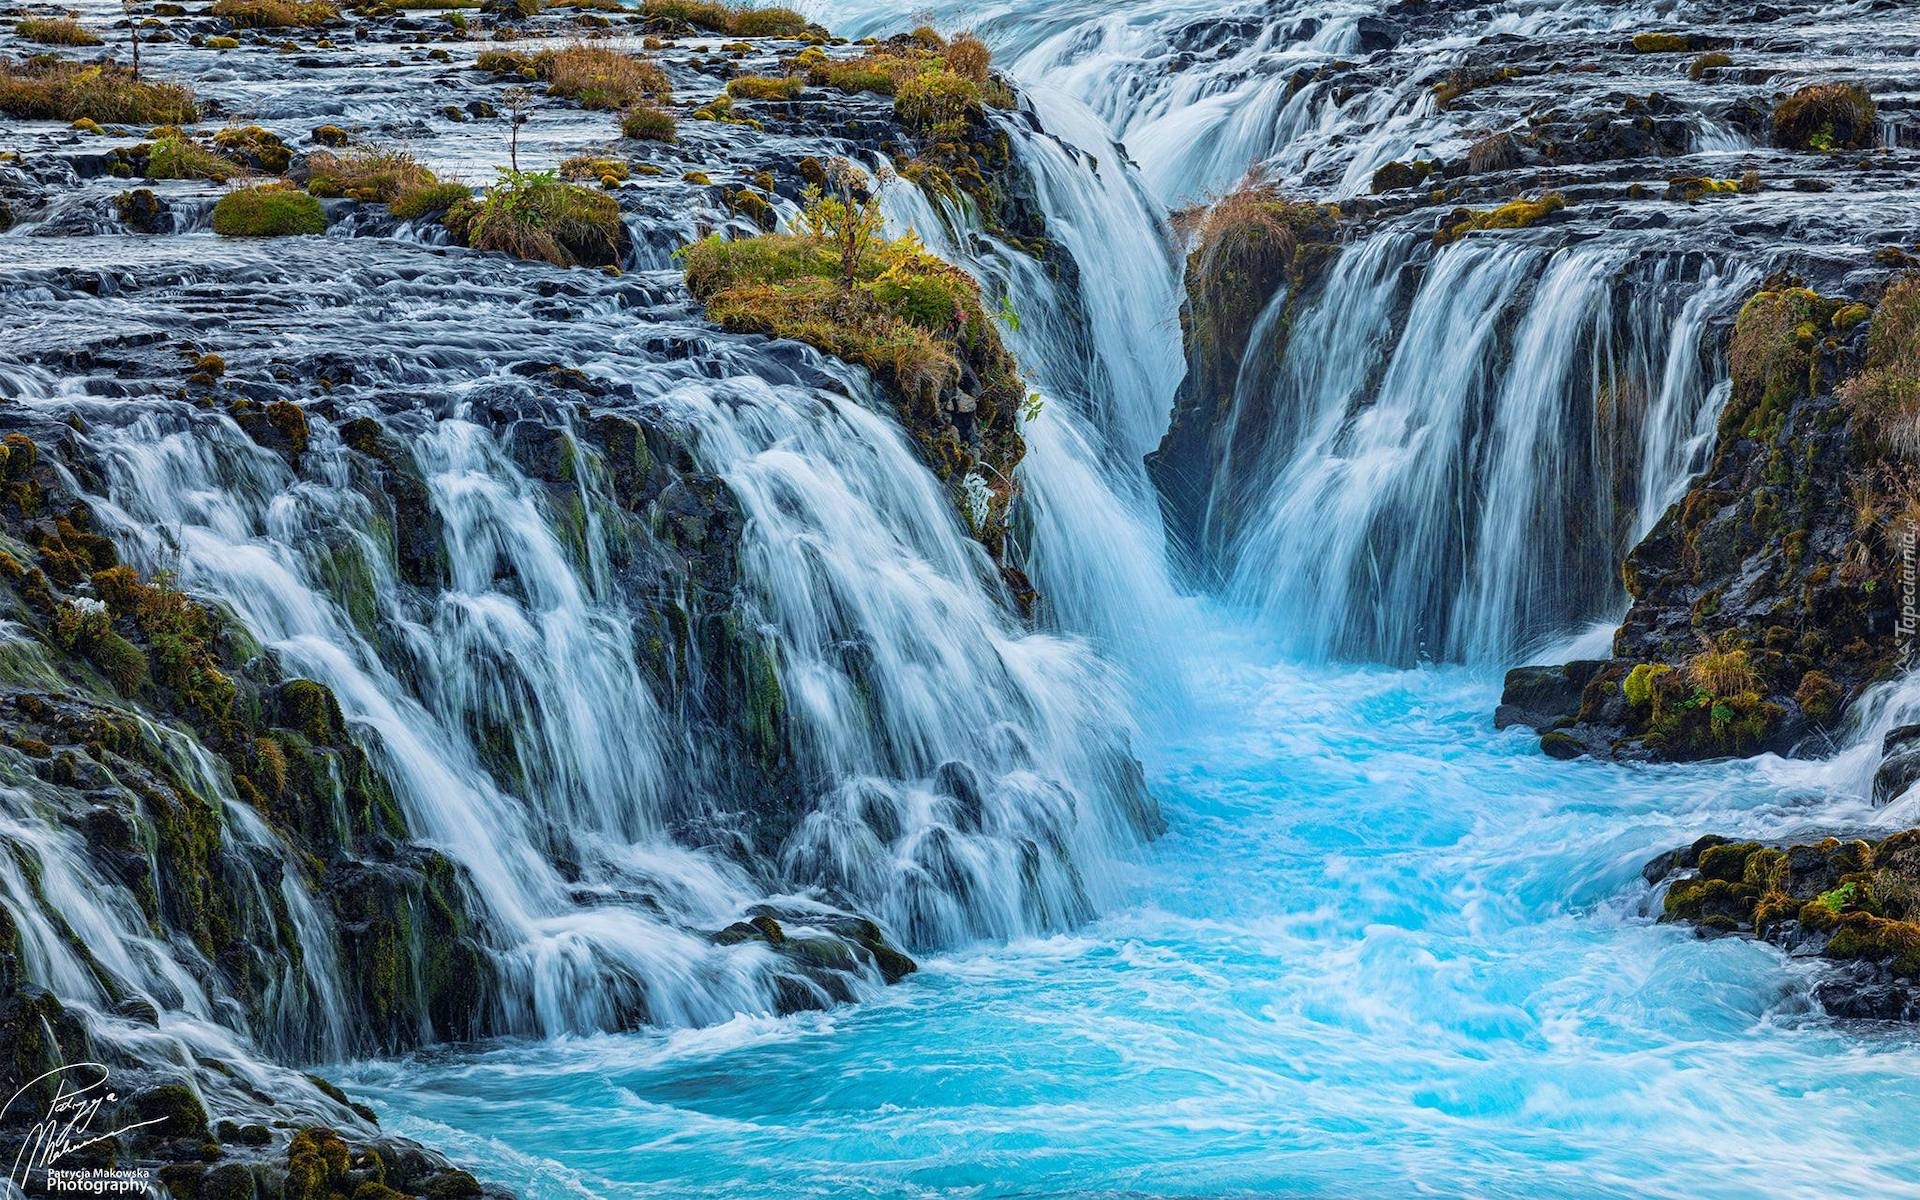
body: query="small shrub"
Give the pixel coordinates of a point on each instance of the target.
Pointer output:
(275, 14)
(1723, 673)
(52, 89)
(369, 174)
(268, 210)
(938, 104)
(56, 31)
(1827, 116)
(968, 57)
(648, 123)
(1885, 393)
(1243, 244)
(179, 157)
(765, 87)
(535, 215)
(601, 78)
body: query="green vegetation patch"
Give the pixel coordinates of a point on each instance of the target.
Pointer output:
(268, 210)
(1826, 116)
(1515, 214)
(737, 19)
(538, 216)
(275, 14)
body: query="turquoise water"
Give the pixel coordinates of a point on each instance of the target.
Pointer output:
(1381, 951)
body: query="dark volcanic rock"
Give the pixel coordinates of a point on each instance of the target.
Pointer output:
(1758, 613)
(1899, 763)
(1544, 697)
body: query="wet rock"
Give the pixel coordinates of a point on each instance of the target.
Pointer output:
(1544, 697)
(1899, 764)
(143, 212)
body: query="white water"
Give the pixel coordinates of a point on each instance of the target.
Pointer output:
(1379, 950)
(1521, 435)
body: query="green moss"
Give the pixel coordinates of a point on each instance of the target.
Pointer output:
(1699, 899)
(268, 210)
(1639, 684)
(765, 87)
(311, 709)
(1661, 43)
(1516, 214)
(317, 1162)
(420, 202)
(1397, 175)
(1727, 862)
(1710, 61)
(258, 148)
(178, 1111)
(1692, 188)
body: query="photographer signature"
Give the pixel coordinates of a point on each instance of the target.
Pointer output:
(68, 1125)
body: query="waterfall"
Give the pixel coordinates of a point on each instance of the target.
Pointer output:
(953, 775)
(1417, 478)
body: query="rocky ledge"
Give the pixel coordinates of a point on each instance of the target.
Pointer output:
(1767, 599)
(1853, 903)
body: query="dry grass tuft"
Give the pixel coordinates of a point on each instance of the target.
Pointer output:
(601, 78)
(56, 31)
(275, 14)
(370, 174)
(53, 89)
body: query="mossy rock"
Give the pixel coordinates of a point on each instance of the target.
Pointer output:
(268, 210)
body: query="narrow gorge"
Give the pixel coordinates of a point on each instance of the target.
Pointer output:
(617, 599)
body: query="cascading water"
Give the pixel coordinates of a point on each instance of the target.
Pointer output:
(968, 780)
(1430, 478)
(638, 689)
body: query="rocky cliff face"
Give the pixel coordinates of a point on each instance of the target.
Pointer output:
(1766, 599)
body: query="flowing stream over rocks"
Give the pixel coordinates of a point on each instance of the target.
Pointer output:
(644, 639)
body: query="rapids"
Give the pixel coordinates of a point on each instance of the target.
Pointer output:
(1379, 951)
